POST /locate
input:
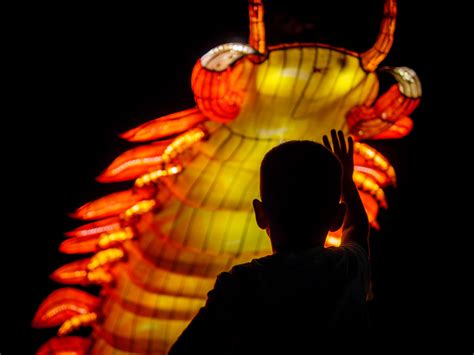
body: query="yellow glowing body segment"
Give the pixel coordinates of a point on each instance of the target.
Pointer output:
(300, 91)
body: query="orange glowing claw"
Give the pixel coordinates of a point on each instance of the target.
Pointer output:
(112, 204)
(96, 228)
(90, 244)
(69, 345)
(388, 117)
(77, 273)
(63, 304)
(165, 126)
(400, 128)
(80, 245)
(135, 162)
(72, 273)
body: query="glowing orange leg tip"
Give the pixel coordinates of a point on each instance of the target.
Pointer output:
(95, 228)
(61, 305)
(165, 126)
(112, 204)
(70, 345)
(72, 273)
(135, 162)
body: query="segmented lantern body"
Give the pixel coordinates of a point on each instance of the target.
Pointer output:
(159, 246)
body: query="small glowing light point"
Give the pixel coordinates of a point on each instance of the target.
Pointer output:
(182, 142)
(139, 208)
(332, 241)
(154, 176)
(108, 239)
(99, 276)
(105, 257)
(75, 322)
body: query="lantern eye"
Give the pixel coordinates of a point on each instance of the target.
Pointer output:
(221, 57)
(408, 82)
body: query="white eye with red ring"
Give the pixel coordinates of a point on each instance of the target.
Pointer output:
(221, 57)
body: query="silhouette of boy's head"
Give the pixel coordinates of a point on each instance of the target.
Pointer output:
(300, 187)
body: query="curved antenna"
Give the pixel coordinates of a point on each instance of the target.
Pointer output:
(257, 26)
(372, 58)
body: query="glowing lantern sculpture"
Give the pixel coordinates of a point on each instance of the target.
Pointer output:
(157, 247)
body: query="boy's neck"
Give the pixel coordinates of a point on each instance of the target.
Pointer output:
(280, 245)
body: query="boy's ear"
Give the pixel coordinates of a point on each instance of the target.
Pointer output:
(339, 217)
(260, 215)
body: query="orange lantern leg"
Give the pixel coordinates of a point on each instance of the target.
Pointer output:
(388, 117)
(368, 161)
(165, 126)
(63, 304)
(73, 345)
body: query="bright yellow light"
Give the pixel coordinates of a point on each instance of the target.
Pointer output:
(99, 276)
(105, 257)
(106, 239)
(77, 321)
(182, 142)
(140, 208)
(332, 241)
(155, 175)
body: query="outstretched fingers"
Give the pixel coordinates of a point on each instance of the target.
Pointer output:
(326, 143)
(343, 150)
(335, 142)
(342, 142)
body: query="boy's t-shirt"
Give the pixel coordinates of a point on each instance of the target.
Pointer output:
(281, 298)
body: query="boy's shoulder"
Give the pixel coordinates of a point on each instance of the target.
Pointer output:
(251, 265)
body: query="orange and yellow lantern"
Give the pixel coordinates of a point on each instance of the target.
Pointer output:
(157, 247)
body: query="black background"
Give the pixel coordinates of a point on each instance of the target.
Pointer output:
(84, 73)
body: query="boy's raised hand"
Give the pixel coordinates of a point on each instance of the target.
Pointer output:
(356, 223)
(345, 152)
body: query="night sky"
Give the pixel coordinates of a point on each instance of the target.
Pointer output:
(89, 72)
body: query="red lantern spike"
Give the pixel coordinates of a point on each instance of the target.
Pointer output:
(82, 245)
(70, 345)
(112, 204)
(72, 273)
(61, 305)
(96, 228)
(135, 162)
(165, 126)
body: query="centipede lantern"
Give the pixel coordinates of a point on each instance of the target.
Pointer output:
(157, 247)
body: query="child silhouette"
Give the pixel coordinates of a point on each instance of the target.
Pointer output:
(306, 191)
